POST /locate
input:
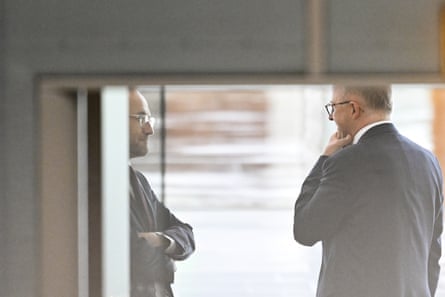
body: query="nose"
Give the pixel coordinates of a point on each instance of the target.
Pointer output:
(148, 129)
(331, 117)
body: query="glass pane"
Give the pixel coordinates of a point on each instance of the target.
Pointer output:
(234, 147)
(235, 156)
(235, 160)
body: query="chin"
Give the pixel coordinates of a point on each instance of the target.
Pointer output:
(138, 153)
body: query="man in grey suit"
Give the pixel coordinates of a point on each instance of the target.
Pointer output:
(374, 199)
(157, 236)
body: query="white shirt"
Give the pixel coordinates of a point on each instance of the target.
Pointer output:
(363, 130)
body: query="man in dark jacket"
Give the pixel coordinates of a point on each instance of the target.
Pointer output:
(374, 199)
(157, 237)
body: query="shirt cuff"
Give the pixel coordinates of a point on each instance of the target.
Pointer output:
(171, 247)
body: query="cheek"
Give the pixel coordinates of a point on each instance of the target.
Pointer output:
(338, 120)
(133, 138)
(134, 132)
(337, 115)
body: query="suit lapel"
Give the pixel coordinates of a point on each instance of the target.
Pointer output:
(140, 209)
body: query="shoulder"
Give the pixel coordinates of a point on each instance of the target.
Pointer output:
(142, 179)
(417, 149)
(350, 163)
(139, 174)
(347, 155)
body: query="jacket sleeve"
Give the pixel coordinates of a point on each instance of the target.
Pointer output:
(436, 247)
(180, 232)
(324, 201)
(167, 223)
(434, 256)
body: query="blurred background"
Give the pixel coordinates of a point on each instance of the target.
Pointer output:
(235, 158)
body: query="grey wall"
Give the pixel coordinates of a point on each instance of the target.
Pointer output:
(175, 37)
(3, 220)
(201, 36)
(383, 36)
(156, 36)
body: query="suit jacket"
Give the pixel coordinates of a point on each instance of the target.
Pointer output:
(151, 265)
(376, 206)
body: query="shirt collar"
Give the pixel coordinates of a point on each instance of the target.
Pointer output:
(363, 130)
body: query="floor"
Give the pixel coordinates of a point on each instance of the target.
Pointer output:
(249, 253)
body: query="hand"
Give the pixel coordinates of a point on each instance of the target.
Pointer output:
(153, 239)
(336, 142)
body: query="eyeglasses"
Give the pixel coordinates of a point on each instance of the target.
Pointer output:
(330, 107)
(144, 119)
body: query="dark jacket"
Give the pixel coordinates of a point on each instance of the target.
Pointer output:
(376, 206)
(148, 264)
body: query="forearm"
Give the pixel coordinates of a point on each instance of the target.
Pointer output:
(325, 199)
(183, 237)
(302, 230)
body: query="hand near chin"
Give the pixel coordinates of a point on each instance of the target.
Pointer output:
(336, 142)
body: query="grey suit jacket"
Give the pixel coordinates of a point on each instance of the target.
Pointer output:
(151, 265)
(376, 206)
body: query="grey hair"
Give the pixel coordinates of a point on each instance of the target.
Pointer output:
(375, 97)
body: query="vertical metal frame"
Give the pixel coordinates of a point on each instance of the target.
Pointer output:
(82, 192)
(163, 109)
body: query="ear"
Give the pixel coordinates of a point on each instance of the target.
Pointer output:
(356, 110)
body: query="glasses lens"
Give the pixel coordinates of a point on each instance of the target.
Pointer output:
(141, 119)
(146, 119)
(329, 108)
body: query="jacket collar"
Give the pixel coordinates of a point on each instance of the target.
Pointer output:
(363, 130)
(380, 129)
